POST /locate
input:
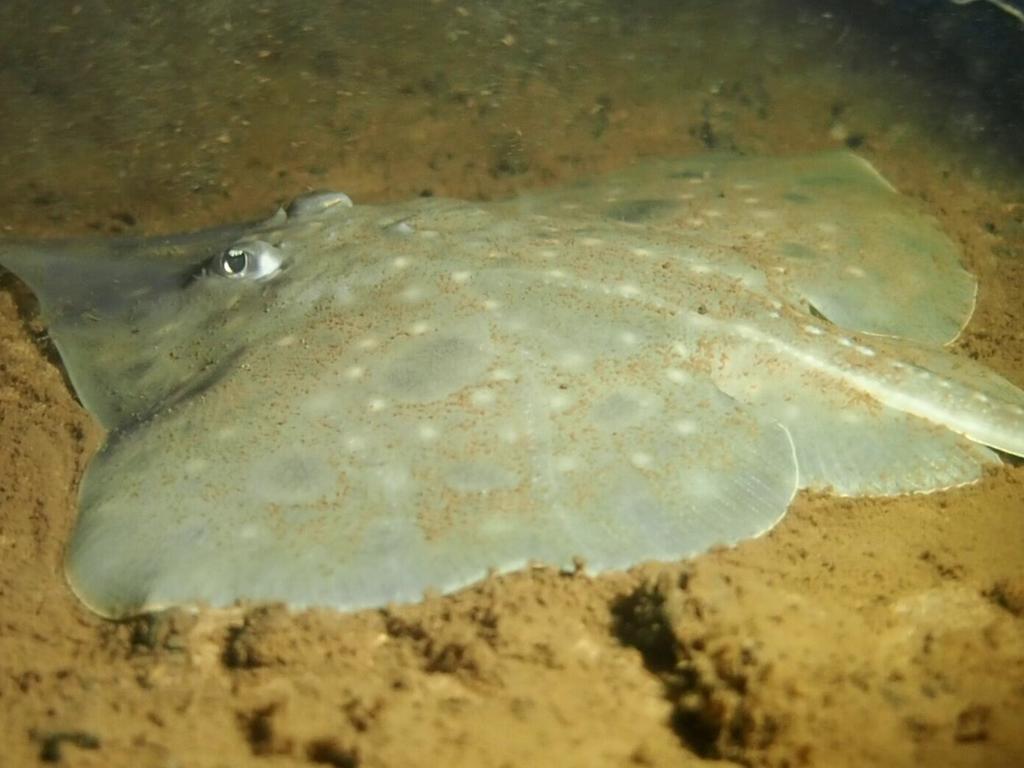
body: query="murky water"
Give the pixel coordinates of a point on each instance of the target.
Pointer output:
(153, 116)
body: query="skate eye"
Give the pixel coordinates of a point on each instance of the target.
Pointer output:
(253, 261)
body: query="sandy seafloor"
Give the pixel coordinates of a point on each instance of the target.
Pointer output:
(883, 632)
